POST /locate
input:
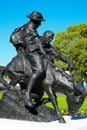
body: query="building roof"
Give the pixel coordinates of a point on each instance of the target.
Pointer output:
(2, 66)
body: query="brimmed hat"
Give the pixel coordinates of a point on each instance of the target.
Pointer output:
(36, 16)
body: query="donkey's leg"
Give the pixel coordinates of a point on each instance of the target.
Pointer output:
(52, 96)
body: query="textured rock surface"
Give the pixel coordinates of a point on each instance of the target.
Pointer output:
(12, 107)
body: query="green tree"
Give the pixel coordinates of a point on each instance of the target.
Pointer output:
(73, 44)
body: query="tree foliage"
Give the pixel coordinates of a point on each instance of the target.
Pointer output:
(73, 44)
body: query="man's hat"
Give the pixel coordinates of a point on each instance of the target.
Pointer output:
(36, 16)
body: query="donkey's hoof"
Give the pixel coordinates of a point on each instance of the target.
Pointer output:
(61, 120)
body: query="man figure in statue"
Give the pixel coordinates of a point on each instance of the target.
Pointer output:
(52, 53)
(26, 40)
(33, 45)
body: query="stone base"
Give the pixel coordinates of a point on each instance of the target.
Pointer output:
(12, 107)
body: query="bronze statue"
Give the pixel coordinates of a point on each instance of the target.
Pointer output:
(55, 78)
(34, 70)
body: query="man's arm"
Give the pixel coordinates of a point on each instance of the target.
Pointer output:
(61, 57)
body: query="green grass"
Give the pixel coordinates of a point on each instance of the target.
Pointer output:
(63, 104)
(1, 95)
(83, 108)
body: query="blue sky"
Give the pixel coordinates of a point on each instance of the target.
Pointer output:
(59, 14)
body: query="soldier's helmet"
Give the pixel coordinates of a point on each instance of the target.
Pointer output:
(36, 16)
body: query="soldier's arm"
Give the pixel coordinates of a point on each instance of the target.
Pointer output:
(61, 57)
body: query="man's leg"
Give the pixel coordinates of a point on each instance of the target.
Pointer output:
(38, 68)
(31, 83)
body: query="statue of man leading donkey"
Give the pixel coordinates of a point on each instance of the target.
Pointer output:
(33, 65)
